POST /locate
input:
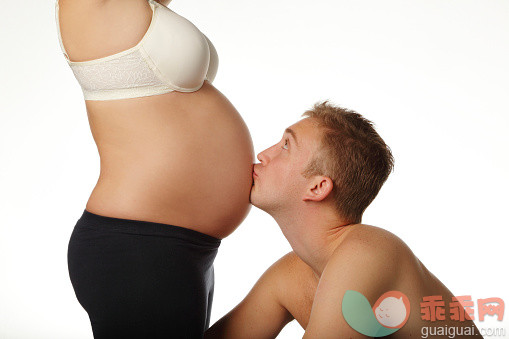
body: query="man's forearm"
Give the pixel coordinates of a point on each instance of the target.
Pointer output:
(246, 321)
(261, 315)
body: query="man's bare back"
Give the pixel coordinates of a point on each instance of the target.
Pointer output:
(288, 290)
(412, 278)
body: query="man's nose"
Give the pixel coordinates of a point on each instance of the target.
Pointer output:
(266, 155)
(263, 158)
(260, 157)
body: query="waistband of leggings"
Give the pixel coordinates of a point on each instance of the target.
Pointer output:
(103, 223)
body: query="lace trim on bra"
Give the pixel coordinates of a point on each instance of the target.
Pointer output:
(127, 71)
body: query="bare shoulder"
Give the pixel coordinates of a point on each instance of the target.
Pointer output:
(284, 276)
(264, 311)
(369, 257)
(93, 29)
(372, 240)
(290, 263)
(290, 272)
(366, 261)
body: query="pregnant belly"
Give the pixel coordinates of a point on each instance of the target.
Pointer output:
(183, 159)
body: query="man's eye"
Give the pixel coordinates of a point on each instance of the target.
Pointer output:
(285, 146)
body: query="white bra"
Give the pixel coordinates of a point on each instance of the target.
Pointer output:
(173, 55)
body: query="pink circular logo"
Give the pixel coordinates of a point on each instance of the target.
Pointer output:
(392, 309)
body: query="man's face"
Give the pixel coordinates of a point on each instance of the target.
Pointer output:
(278, 182)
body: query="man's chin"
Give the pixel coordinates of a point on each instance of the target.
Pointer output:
(253, 199)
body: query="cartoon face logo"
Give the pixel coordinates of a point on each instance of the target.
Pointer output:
(390, 309)
(388, 315)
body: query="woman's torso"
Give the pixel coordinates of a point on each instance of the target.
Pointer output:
(177, 158)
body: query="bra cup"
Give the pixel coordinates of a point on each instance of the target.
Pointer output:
(178, 49)
(214, 61)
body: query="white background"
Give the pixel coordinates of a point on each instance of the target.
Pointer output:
(432, 75)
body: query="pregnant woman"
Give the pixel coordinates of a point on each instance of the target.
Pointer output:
(176, 168)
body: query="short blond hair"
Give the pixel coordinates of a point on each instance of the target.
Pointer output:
(352, 155)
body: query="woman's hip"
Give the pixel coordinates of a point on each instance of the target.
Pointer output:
(139, 276)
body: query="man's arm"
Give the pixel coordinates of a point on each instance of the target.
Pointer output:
(357, 265)
(261, 314)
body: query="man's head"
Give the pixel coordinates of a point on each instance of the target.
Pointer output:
(334, 156)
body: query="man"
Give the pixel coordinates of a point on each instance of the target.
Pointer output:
(316, 183)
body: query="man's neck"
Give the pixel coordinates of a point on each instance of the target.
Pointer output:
(314, 234)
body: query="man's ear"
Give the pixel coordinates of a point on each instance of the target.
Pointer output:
(319, 189)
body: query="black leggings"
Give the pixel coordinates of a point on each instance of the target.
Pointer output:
(139, 279)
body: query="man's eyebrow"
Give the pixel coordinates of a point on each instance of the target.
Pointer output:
(292, 133)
